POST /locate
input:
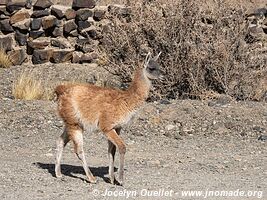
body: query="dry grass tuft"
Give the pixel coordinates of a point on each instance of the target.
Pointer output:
(27, 87)
(5, 61)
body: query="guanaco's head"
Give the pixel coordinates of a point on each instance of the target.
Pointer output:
(152, 67)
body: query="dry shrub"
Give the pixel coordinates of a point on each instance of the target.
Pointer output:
(28, 87)
(202, 50)
(5, 61)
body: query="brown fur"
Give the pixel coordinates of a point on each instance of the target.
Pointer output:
(85, 106)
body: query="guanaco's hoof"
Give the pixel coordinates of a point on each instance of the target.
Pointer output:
(93, 180)
(58, 175)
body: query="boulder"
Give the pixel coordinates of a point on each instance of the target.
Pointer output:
(86, 45)
(89, 57)
(41, 56)
(4, 11)
(70, 14)
(23, 25)
(36, 34)
(59, 11)
(61, 43)
(21, 38)
(15, 5)
(6, 42)
(40, 43)
(69, 26)
(58, 32)
(36, 23)
(5, 26)
(49, 22)
(84, 14)
(76, 57)
(61, 55)
(83, 25)
(18, 56)
(42, 4)
(3, 2)
(19, 16)
(91, 32)
(79, 57)
(99, 12)
(40, 13)
(77, 4)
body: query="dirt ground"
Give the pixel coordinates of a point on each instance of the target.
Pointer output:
(172, 147)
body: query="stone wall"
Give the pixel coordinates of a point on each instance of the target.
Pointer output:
(41, 32)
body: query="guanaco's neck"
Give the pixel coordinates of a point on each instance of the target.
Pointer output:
(139, 88)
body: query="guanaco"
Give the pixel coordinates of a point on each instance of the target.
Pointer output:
(89, 107)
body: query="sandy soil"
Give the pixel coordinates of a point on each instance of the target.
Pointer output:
(213, 145)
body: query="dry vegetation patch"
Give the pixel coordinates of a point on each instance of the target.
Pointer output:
(5, 61)
(28, 87)
(203, 50)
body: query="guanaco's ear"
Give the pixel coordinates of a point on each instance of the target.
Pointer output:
(148, 57)
(157, 56)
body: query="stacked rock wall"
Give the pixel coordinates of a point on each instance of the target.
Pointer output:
(43, 32)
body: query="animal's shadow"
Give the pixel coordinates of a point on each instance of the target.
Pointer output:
(71, 170)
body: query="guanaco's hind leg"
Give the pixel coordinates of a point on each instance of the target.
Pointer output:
(77, 138)
(111, 155)
(116, 140)
(61, 143)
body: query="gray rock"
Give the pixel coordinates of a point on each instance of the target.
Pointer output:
(59, 11)
(91, 32)
(4, 11)
(36, 23)
(83, 25)
(41, 56)
(40, 43)
(69, 26)
(21, 38)
(6, 42)
(99, 12)
(49, 22)
(76, 56)
(19, 16)
(77, 4)
(5, 26)
(61, 43)
(3, 2)
(42, 4)
(70, 14)
(36, 34)
(23, 25)
(18, 56)
(84, 14)
(88, 57)
(86, 45)
(40, 13)
(58, 32)
(61, 55)
(13, 6)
